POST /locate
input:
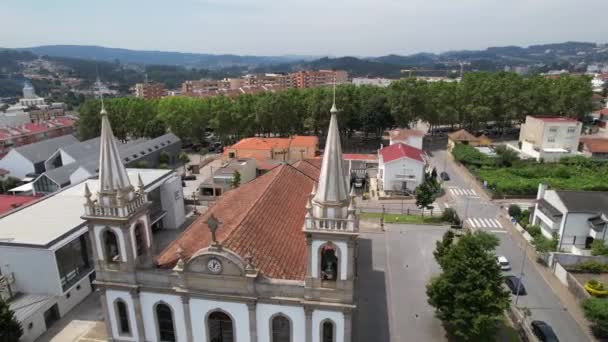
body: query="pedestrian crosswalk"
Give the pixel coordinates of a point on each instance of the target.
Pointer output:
(491, 223)
(463, 192)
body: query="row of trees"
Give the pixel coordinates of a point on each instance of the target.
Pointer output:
(480, 97)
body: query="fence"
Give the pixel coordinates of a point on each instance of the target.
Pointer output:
(396, 208)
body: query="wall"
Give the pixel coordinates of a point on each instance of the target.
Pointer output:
(415, 141)
(295, 314)
(17, 164)
(111, 296)
(172, 201)
(76, 294)
(200, 308)
(342, 254)
(318, 316)
(38, 324)
(561, 274)
(528, 148)
(34, 269)
(397, 167)
(575, 226)
(148, 302)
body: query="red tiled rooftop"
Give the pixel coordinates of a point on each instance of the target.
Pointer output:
(404, 133)
(595, 145)
(358, 156)
(399, 150)
(555, 119)
(263, 218)
(256, 143)
(10, 202)
(462, 135)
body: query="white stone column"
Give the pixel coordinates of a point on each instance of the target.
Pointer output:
(139, 319)
(253, 325)
(187, 317)
(106, 312)
(308, 324)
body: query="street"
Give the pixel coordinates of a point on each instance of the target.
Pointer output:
(479, 213)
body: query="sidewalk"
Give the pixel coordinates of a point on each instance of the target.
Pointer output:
(566, 298)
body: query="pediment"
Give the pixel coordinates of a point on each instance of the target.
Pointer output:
(216, 261)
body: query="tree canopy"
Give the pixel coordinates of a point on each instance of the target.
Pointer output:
(468, 295)
(502, 98)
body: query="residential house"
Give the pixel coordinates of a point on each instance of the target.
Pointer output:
(594, 147)
(30, 159)
(401, 167)
(412, 137)
(281, 149)
(46, 250)
(222, 178)
(577, 217)
(549, 138)
(461, 137)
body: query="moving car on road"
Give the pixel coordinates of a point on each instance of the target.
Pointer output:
(503, 263)
(444, 175)
(515, 285)
(543, 331)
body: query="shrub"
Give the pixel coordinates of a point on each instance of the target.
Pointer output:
(515, 211)
(596, 311)
(524, 218)
(589, 267)
(596, 288)
(599, 247)
(544, 245)
(533, 230)
(450, 215)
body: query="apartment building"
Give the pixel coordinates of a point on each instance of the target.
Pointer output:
(549, 137)
(150, 91)
(310, 78)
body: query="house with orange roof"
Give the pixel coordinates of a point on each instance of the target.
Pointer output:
(294, 148)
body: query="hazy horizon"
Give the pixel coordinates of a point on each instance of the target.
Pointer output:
(308, 28)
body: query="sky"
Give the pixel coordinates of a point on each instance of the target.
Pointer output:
(301, 27)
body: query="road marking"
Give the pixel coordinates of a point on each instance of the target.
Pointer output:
(479, 223)
(499, 224)
(498, 231)
(474, 193)
(446, 204)
(472, 223)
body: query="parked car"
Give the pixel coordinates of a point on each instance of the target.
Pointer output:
(503, 263)
(515, 285)
(444, 175)
(543, 331)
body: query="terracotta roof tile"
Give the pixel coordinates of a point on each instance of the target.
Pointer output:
(256, 143)
(462, 135)
(404, 133)
(595, 145)
(399, 150)
(358, 156)
(311, 168)
(263, 218)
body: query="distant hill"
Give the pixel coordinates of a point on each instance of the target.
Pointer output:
(209, 61)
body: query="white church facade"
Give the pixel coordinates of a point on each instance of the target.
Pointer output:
(272, 260)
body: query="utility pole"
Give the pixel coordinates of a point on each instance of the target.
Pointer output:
(521, 273)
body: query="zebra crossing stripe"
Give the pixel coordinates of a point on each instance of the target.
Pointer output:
(472, 223)
(473, 192)
(447, 205)
(498, 231)
(493, 223)
(498, 223)
(479, 223)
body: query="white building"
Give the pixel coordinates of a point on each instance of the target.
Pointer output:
(401, 167)
(45, 249)
(412, 137)
(376, 81)
(550, 138)
(30, 98)
(271, 260)
(30, 159)
(577, 217)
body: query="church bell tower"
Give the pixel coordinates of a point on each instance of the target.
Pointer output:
(117, 214)
(332, 224)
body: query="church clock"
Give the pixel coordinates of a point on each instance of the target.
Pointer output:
(214, 266)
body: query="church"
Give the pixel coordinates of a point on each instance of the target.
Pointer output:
(271, 261)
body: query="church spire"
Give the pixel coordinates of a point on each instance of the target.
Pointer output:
(332, 188)
(112, 173)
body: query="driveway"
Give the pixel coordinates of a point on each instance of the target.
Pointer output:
(393, 270)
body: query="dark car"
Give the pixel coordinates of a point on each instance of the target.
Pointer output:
(514, 285)
(543, 331)
(444, 175)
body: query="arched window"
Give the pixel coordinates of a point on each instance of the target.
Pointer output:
(329, 262)
(281, 329)
(327, 331)
(164, 320)
(140, 239)
(122, 317)
(220, 327)
(112, 253)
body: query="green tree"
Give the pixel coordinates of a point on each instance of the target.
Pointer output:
(468, 295)
(443, 247)
(236, 180)
(184, 159)
(10, 328)
(141, 164)
(425, 195)
(505, 156)
(514, 211)
(599, 247)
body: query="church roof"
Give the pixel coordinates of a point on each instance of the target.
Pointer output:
(263, 218)
(112, 172)
(332, 187)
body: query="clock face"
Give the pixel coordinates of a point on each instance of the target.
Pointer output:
(214, 265)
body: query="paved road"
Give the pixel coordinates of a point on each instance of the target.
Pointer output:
(481, 213)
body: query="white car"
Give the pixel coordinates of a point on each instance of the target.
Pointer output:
(503, 263)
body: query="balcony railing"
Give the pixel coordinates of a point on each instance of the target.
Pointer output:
(96, 209)
(344, 225)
